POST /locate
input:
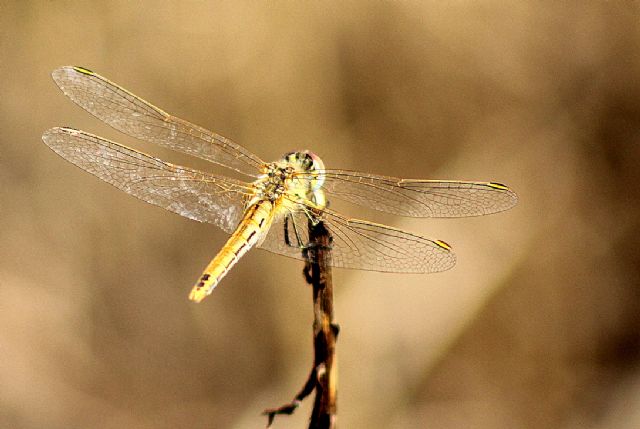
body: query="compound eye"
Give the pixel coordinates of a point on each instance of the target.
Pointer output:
(307, 162)
(316, 178)
(316, 162)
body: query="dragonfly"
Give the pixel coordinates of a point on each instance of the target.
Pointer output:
(273, 207)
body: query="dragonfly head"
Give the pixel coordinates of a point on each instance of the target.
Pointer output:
(308, 162)
(304, 172)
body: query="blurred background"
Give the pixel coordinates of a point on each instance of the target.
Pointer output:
(536, 327)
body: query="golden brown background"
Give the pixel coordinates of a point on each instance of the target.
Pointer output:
(536, 327)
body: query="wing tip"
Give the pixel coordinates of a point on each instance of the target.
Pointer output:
(59, 130)
(61, 75)
(54, 138)
(50, 133)
(510, 198)
(448, 258)
(67, 69)
(58, 73)
(513, 198)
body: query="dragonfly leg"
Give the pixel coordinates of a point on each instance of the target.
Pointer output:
(308, 249)
(287, 240)
(314, 217)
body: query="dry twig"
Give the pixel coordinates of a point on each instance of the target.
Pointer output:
(323, 376)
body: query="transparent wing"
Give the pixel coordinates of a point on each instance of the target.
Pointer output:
(419, 198)
(190, 193)
(362, 245)
(134, 116)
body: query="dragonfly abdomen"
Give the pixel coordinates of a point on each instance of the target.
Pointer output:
(254, 225)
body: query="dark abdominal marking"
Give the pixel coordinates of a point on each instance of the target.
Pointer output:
(239, 249)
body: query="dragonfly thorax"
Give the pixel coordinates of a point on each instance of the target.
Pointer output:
(299, 175)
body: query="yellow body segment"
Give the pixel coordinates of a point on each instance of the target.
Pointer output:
(256, 222)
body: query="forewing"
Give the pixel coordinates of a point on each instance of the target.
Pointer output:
(362, 245)
(190, 193)
(419, 198)
(138, 118)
